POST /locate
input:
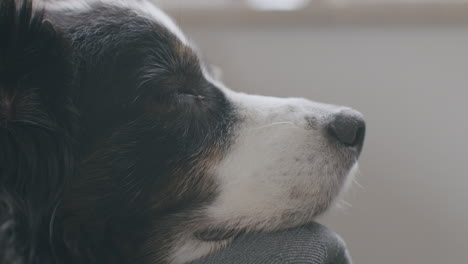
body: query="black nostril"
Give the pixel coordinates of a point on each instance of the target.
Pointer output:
(348, 128)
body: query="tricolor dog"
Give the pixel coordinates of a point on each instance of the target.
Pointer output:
(117, 145)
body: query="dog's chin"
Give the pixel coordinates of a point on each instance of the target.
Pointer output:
(311, 207)
(303, 215)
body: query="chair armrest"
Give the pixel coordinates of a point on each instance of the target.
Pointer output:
(309, 244)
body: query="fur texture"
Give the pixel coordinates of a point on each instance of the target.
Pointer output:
(117, 146)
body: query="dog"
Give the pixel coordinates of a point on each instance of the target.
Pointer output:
(118, 145)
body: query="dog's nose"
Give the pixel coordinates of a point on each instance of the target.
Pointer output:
(348, 128)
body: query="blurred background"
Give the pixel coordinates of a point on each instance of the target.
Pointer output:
(404, 64)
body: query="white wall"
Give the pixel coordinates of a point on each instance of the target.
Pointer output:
(411, 82)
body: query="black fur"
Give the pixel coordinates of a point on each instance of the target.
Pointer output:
(107, 125)
(36, 131)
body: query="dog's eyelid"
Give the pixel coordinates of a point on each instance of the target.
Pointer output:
(194, 96)
(192, 93)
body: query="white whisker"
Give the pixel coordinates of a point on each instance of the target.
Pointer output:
(343, 205)
(273, 124)
(355, 182)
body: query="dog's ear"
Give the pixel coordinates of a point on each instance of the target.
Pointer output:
(36, 153)
(36, 114)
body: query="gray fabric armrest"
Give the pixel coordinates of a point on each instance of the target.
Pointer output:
(309, 244)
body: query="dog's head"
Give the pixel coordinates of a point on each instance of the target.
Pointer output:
(170, 153)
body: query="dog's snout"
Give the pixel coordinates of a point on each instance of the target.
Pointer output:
(348, 128)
